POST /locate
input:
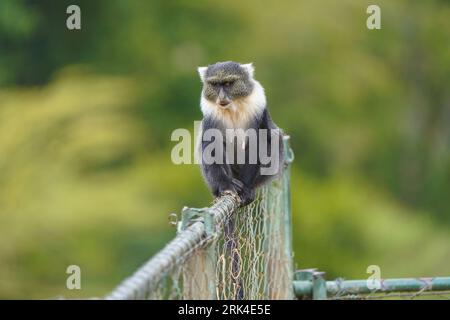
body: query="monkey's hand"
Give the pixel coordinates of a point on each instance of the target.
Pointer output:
(234, 186)
(246, 194)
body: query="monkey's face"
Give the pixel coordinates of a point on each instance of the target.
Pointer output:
(226, 82)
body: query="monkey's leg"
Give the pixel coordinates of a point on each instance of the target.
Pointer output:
(248, 175)
(218, 177)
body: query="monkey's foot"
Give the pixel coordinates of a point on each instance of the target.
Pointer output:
(247, 196)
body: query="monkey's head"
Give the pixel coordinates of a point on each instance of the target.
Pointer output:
(226, 82)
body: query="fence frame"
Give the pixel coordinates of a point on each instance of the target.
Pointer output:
(197, 232)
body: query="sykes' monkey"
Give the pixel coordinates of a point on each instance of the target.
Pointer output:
(232, 100)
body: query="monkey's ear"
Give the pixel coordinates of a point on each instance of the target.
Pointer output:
(202, 72)
(249, 68)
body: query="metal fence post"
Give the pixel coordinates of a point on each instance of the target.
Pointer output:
(319, 286)
(287, 214)
(280, 272)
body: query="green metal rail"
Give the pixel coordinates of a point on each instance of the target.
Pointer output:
(310, 283)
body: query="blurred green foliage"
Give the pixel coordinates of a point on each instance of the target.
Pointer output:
(86, 117)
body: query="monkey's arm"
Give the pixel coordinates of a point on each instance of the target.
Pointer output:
(218, 176)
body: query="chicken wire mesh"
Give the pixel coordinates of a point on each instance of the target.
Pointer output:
(253, 258)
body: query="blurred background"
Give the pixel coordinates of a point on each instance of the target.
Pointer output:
(86, 117)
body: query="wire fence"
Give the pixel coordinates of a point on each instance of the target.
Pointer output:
(224, 251)
(230, 252)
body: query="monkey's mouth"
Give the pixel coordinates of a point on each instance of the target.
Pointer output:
(224, 104)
